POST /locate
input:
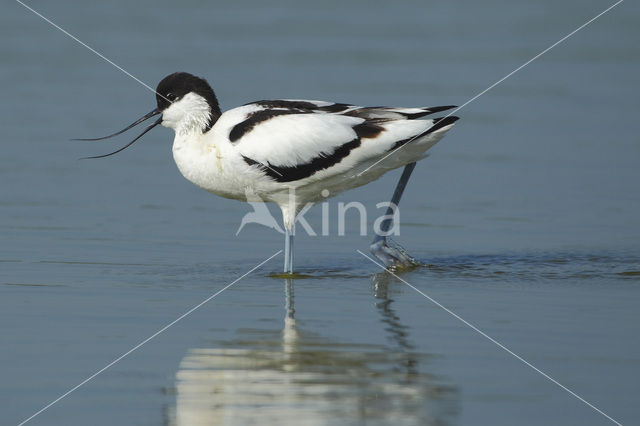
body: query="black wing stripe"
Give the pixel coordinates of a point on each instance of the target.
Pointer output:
(367, 130)
(438, 123)
(304, 170)
(300, 105)
(337, 107)
(255, 118)
(390, 112)
(276, 108)
(280, 103)
(428, 111)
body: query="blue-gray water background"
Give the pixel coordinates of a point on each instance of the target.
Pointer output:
(529, 211)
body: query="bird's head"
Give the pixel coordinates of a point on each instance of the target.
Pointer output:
(187, 104)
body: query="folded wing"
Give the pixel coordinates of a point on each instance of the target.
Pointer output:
(292, 140)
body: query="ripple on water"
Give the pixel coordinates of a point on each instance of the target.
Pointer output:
(535, 266)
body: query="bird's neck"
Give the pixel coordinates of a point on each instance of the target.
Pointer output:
(196, 123)
(197, 117)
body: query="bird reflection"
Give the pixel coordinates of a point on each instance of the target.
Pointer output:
(396, 331)
(298, 377)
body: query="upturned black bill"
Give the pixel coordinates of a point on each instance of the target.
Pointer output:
(156, 111)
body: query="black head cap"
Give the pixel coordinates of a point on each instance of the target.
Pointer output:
(174, 86)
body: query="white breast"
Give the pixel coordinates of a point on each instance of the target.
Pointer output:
(202, 162)
(212, 163)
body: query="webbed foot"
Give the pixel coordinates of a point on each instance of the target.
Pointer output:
(392, 256)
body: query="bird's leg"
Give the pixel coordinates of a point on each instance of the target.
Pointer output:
(289, 232)
(289, 212)
(392, 256)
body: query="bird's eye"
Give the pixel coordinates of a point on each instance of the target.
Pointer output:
(171, 97)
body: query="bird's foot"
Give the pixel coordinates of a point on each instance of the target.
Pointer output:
(392, 256)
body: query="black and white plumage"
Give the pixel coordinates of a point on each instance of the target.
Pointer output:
(290, 152)
(306, 144)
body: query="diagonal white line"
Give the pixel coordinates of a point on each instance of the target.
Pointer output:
(147, 340)
(500, 81)
(93, 50)
(491, 339)
(112, 63)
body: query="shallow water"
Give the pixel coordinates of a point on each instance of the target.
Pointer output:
(526, 216)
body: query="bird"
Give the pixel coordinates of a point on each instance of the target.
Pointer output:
(291, 152)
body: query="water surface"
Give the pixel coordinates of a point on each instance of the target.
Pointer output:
(527, 216)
